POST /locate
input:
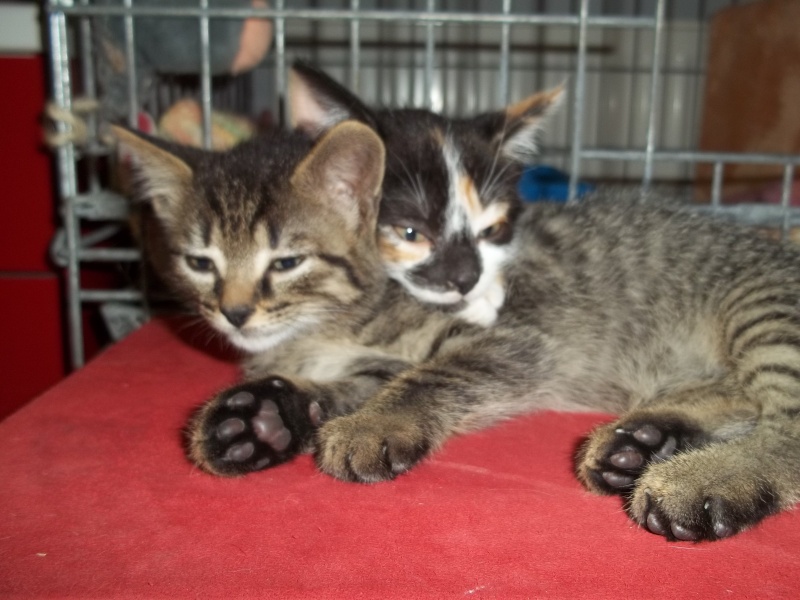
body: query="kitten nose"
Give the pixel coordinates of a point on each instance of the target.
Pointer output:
(465, 279)
(237, 315)
(455, 265)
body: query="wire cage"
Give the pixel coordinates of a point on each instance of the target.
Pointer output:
(636, 71)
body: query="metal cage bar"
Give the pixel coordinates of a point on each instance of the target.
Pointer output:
(716, 184)
(205, 77)
(280, 63)
(67, 184)
(430, 49)
(786, 188)
(580, 90)
(90, 90)
(505, 53)
(130, 59)
(655, 97)
(355, 48)
(319, 14)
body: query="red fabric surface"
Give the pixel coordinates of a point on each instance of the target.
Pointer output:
(98, 501)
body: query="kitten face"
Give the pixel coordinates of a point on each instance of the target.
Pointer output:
(250, 288)
(449, 196)
(445, 218)
(271, 239)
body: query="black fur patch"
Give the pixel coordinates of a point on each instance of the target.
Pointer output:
(782, 316)
(777, 369)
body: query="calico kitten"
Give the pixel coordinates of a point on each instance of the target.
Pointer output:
(688, 327)
(449, 195)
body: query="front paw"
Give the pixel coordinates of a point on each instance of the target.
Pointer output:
(251, 427)
(697, 497)
(370, 447)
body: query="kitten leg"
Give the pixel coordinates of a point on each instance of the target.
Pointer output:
(700, 465)
(375, 444)
(724, 488)
(260, 424)
(719, 490)
(616, 454)
(729, 485)
(474, 381)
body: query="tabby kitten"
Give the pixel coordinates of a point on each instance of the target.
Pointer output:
(688, 327)
(449, 195)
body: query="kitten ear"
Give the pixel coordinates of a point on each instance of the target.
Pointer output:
(519, 124)
(344, 171)
(317, 102)
(161, 176)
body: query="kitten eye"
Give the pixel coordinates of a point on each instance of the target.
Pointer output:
(409, 234)
(286, 264)
(201, 264)
(494, 232)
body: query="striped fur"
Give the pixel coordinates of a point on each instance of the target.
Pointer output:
(689, 328)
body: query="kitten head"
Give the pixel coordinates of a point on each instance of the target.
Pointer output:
(449, 195)
(269, 239)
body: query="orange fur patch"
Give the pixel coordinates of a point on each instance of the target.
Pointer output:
(401, 253)
(438, 136)
(469, 197)
(536, 104)
(237, 293)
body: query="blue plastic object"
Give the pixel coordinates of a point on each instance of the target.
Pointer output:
(548, 183)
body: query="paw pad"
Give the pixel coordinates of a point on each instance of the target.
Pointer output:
(240, 400)
(657, 522)
(630, 451)
(230, 427)
(269, 428)
(240, 452)
(255, 426)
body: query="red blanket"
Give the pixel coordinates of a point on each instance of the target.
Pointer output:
(97, 500)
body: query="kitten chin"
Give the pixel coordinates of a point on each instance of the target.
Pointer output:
(264, 339)
(427, 295)
(482, 309)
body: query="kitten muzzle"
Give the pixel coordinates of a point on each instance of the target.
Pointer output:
(455, 266)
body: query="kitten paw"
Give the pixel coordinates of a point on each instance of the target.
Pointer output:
(617, 454)
(694, 498)
(253, 427)
(368, 448)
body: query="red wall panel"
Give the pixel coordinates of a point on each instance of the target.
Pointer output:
(27, 219)
(31, 350)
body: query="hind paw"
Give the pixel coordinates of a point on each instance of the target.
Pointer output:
(697, 497)
(616, 455)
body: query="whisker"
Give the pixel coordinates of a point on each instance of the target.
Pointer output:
(421, 195)
(496, 156)
(414, 184)
(495, 182)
